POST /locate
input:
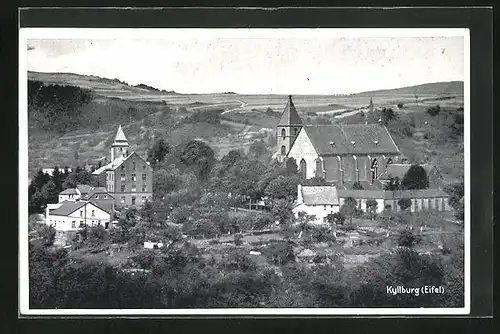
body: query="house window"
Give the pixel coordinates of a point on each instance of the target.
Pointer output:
(325, 207)
(143, 189)
(122, 178)
(143, 167)
(96, 196)
(81, 213)
(123, 200)
(144, 199)
(93, 213)
(123, 188)
(133, 200)
(73, 224)
(81, 223)
(134, 177)
(133, 165)
(283, 133)
(105, 196)
(144, 176)
(123, 167)
(133, 188)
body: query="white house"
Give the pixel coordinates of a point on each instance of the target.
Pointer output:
(50, 171)
(71, 216)
(316, 200)
(71, 194)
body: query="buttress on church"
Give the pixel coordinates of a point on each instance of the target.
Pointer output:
(343, 155)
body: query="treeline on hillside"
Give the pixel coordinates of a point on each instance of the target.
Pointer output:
(204, 116)
(60, 109)
(56, 108)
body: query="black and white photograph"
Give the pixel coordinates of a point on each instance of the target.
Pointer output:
(244, 171)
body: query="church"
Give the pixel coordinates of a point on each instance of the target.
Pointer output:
(355, 160)
(343, 154)
(128, 178)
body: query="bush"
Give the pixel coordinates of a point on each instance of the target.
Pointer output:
(238, 239)
(400, 105)
(322, 234)
(433, 111)
(407, 239)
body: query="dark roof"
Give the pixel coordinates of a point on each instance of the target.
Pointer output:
(337, 139)
(69, 191)
(399, 170)
(106, 206)
(290, 115)
(84, 188)
(67, 208)
(319, 195)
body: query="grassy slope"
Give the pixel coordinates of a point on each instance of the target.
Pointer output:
(244, 117)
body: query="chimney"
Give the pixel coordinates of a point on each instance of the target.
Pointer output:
(299, 194)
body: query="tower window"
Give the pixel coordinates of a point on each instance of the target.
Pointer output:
(283, 150)
(144, 176)
(283, 133)
(303, 169)
(295, 131)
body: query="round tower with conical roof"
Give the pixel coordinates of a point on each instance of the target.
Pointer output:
(119, 148)
(288, 127)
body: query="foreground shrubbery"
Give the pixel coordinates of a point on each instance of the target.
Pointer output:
(179, 277)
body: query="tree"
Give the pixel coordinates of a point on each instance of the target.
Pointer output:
(415, 178)
(404, 203)
(258, 149)
(433, 111)
(407, 239)
(97, 235)
(282, 211)
(291, 167)
(49, 192)
(388, 115)
(314, 181)
(457, 127)
(198, 156)
(57, 177)
(166, 181)
(283, 188)
(157, 153)
(47, 233)
(371, 205)
(349, 207)
(335, 218)
(147, 211)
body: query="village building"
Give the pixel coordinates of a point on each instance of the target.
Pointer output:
(354, 160)
(73, 215)
(50, 171)
(127, 177)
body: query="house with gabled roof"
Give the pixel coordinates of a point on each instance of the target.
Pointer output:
(74, 215)
(127, 177)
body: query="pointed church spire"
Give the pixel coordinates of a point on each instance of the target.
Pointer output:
(370, 106)
(290, 115)
(120, 136)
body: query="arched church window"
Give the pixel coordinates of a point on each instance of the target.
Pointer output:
(319, 168)
(283, 133)
(283, 150)
(389, 162)
(303, 169)
(295, 131)
(374, 169)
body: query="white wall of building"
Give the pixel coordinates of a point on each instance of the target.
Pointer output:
(320, 211)
(89, 214)
(303, 149)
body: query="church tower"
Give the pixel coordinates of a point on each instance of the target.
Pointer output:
(119, 148)
(288, 128)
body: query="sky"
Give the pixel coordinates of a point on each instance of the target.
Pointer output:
(256, 64)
